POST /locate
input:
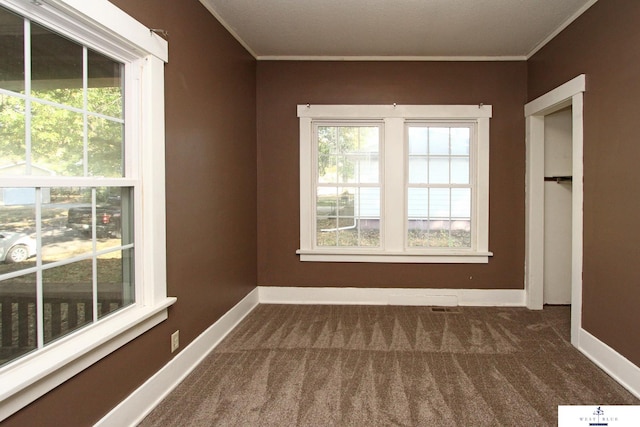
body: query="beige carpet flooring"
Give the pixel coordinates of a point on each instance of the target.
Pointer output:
(305, 365)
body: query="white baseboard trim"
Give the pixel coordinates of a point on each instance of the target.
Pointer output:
(613, 363)
(392, 296)
(139, 403)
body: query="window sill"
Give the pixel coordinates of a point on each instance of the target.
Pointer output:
(449, 257)
(30, 377)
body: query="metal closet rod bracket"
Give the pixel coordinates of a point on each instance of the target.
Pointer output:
(559, 179)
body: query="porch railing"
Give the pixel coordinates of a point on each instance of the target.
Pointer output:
(64, 310)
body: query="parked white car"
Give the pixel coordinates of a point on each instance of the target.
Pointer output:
(16, 247)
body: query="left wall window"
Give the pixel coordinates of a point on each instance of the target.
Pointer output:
(66, 250)
(82, 212)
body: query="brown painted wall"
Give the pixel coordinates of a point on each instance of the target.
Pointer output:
(603, 44)
(283, 85)
(211, 206)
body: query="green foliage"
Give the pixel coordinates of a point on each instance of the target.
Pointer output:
(57, 134)
(12, 145)
(335, 143)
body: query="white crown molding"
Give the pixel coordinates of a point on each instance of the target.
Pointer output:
(391, 58)
(228, 27)
(417, 58)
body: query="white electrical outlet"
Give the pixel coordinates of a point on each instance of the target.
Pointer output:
(175, 341)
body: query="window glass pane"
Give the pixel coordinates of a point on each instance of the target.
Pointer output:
(369, 230)
(105, 85)
(418, 140)
(326, 234)
(369, 139)
(105, 149)
(348, 154)
(18, 333)
(326, 202)
(347, 169)
(327, 169)
(418, 170)
(66, 224)
(12, 136)
(418, 202)
(368, 203)
(358, 169)
(439, 170)
(348, 139)
(461, 203)
(460, 235)
(12, 48)
(115, 281)
(108, 215)
(438, 141)
(348, 217)
(119, 206)
(67, 297)
(17, 229)
(327, 139)
(460, 141)
(346, 202)
(439, 203)
(368, 168)
(56, 68)
(56, 141)
(460, 170)
(418, 233)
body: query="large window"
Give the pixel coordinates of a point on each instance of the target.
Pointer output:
(80, 190)
(394, 183)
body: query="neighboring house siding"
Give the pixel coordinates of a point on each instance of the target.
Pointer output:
(23, 196)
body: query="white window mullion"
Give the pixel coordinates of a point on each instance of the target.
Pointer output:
(39, 281)
(27, 91)
(94, 259)
(393, 185)
(85, 117)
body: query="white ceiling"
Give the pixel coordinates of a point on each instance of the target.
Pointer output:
(395, 29)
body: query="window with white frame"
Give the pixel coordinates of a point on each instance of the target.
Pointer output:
(81, 189)
(348, 184)
(396, 183)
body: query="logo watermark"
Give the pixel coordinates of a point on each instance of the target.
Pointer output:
(598, 416)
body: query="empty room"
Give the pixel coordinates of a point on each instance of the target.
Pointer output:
(246, 212)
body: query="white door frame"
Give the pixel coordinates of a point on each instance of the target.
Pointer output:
(568, 94)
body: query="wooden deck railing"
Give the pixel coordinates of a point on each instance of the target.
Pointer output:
(65, 309)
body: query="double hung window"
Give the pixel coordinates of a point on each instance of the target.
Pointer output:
(402, 183)
(81, 189)
(439, 185)
(348, 184)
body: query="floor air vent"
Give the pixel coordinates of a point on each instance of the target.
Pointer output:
(445, 309)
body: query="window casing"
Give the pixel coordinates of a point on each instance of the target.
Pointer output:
(105, 85)
(426, 182)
